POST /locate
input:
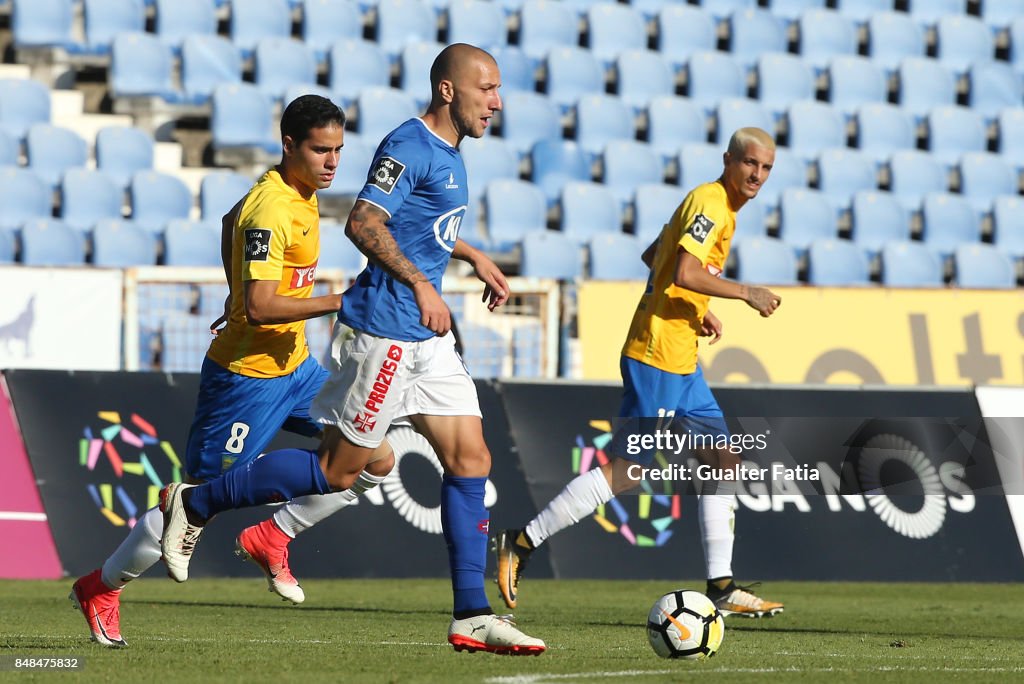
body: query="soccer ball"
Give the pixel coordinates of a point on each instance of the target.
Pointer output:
(685, 624)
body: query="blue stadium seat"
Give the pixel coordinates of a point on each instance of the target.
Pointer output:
(254, 20)
(517, 71)
(1008, 225)
(754, 32)
(354, 167)
(805, 216)
(1011, 135)
(484, 350)
(297, 90)
(545, 25)
(855, 81)
(789, 171)
(554, 163)
(52, 150)
(122, 244)
(614, 256)
(23, 196)
(825, 34)
(572, 73)
(241, 116)
(527, 118)
(614, 29)
(892, 37)
(650, 8)
(642, 75)
(627, 164)
(949, 220)
(914, 174)
(672, 122)
(983, 177)
(7, 246)
(191, 243)
(699, 163)
(178, 19)
(861, 11)
(354, 64)
(588, 210)
(910, 264)
(337, 251)
(983, 267)
(925, 84)
(711, 76)
(547, 254)
(999, 14)
(123, 150)
(601, 119)
(220, 190)
(324, 22)
(514, 209)
(929, 12)
(486, 159)
(953, 130)
(882, 129)
(207, 62)
(994, 86)
(404, 21)
(790, 10)
(834, 262)
(783, 79)
(157, 198)
(141, 66)
(381, 110)
(653, 206)
(48, 242)
(962, 40)
(721, 9)
(23, 102)
(739, 112)
(477, 22)
(684, 30)
(415, 79)
(814, 126)
(842, 173)
(88, 196)
(283, 62)
(1016, 32)
(751, 221)
(42, 23)
(104, 19)
(877, 218)
(10, 149)
(765, 260)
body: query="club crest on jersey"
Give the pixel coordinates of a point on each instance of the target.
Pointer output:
(386, 174)
(446, 227)
(701, 228)
(257, 244)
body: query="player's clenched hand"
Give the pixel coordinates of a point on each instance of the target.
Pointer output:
(215, 327)
(434, 313)
(711, 327)
(496, 289)
(764, 300)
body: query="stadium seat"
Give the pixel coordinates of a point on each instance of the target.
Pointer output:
(10, 149)
(52, 150)
(883, 129)
(484, 350)
(572, 73)
(23, 196)
(614, 256)
(337, 251)
(486, 159)
(254, 20)
(404, 21)
(814, 126)
(241, 116)
(834, 262)
(781, 80)
(123, 150)
(88, 196)
(805, 216)
(141, 66)
(1016, 32)
(790, 10)
(514, 209)
(381, 110)
(843, 172)
(48, 242)
(1011, 136)
(297, 90)
(653, 206)
(7, 246)
(527, 118)
(999, 14)
(42, 23)
(354, 167)
(789, 171)
(855, 81)
(752, 220)
(983, 267)
(477, 22)
(157, 198)
(588, 210)
(1008, 225)
(555, 162)
(517, 71)
(825, 34)
(283, 62)
(545, 25)
(910, 264)
(699, 163)
(684, 30)
(721, 9)
(547, 254)
(754, 32)
(104, 19)
(929, 12)
(414, 79)
(527, 349)
(672, 122)
(766, 261)
(861, 11)
(962, 40)
(985, 176)
(325, 22)
(994, 86)
(601, 119)
(642, 75)
(949, 220)
(627, 164)
(711, 76)
(190, 243)
(924, 85)
(122, 244)
(953, 130)
(739, 112)
(23, 102)
(178, 19)
(207, 62)
(914, 174)
(613, 29)
(892, 37)
(877, 218)
(220, 190)
(354, 64)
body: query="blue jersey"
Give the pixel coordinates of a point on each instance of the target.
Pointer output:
(419, 179)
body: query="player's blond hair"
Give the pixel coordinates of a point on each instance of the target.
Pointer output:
(749, 136)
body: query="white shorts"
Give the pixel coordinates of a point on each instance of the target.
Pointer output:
(374, 382)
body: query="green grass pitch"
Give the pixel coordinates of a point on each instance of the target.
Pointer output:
(394, 631)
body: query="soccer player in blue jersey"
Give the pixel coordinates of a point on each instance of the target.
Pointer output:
(393, 354)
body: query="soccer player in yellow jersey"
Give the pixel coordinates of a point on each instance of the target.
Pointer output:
(661, 377)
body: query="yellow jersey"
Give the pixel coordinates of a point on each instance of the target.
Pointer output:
(668, 318)
(276, 237)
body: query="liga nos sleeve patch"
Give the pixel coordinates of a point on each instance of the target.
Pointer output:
(257, 244)
(701, 228)
(386, 174)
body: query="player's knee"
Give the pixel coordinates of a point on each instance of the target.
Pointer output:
(382, 466)
(469, 462)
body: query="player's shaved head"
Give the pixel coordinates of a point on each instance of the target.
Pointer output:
(456, 61)
(744, 137)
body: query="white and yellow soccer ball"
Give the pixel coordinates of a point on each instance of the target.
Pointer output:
(685, 624)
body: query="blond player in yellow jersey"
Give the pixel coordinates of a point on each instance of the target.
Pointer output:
(661, 377)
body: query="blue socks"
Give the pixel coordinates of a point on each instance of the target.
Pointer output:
(464, 520)
(278, 476)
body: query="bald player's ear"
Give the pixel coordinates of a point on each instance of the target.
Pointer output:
(447, 90)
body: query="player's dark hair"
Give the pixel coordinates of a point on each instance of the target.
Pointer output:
(307, 112)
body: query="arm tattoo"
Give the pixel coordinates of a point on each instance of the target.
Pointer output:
(368, 230)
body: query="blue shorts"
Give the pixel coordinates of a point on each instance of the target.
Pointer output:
(237, 416)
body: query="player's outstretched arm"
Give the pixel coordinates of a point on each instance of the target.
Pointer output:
(496, 289)
(692, 275)
(263, 306)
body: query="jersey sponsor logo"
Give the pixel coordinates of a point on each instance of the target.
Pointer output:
(386, 174)
(451, 184)
(714, 270)
(701, 228)
(257, 244)
(447, 225)
(304, 276)
(379, 390)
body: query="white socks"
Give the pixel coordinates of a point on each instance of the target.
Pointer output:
(302, 513)
(717, 516)
(580, 498)
(139, 551)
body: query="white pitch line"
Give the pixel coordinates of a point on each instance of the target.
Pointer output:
(540, 678)
(23, 516)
